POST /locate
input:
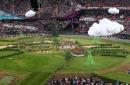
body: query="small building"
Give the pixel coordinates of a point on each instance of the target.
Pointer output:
(78, 52)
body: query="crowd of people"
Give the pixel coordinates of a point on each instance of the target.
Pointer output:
(106, 3)
(81, 81)
(46, 7)
(77, 81)
(58, 8)
(15, 7)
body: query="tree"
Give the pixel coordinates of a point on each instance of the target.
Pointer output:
(78, 44)
(68, 57)
(56, 42)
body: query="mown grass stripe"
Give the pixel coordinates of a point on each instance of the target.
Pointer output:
(36, 78)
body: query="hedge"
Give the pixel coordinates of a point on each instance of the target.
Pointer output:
(109, 52)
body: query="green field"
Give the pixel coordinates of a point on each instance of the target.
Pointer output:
(33, 68)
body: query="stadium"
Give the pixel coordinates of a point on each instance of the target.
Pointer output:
(65, 42)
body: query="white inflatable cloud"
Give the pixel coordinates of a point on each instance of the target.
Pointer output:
(113, 10)
(30, 13)
(105, 27)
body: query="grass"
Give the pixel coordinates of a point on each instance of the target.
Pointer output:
(41, 66)
(101, 62)
(36, 78)
(31, 62)
(121, 76)
(38, 65)
(8, 52)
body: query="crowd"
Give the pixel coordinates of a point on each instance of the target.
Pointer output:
(46, 7)
(16, 7)
(77, 81)
(56, 8)
(81, 81)
(106, 3)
